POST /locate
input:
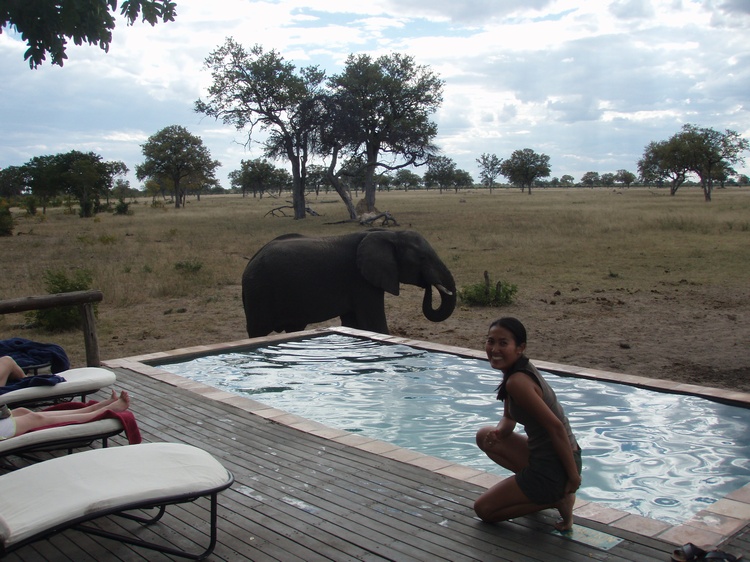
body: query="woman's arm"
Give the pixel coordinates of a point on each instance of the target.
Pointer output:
(528, 395)
(507, 424)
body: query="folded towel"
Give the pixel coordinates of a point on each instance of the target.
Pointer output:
(126, 418)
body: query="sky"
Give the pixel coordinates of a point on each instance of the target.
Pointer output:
(587, 82)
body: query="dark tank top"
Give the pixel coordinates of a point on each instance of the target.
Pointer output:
(539, 439)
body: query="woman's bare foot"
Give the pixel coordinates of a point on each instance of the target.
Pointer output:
(122, 403)
(104, 404)
(565, 507)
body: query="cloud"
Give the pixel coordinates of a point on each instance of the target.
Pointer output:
(588, 83)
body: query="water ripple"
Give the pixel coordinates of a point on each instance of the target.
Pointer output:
(659, 455)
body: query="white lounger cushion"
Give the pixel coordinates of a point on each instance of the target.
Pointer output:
(60, 434)
(50, 493)
(82, 380)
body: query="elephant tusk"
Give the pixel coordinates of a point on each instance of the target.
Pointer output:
(444, 290)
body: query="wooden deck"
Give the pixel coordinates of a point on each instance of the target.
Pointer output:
(302, 497)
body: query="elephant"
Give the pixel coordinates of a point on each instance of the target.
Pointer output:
(295, 280)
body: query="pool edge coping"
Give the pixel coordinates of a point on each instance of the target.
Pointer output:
(712, 526)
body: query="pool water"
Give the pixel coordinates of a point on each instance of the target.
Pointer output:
(659, 455)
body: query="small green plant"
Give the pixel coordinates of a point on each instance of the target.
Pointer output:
(107, 239)
(486, 294)
(63, 318)
(86, 239)
(188, 266)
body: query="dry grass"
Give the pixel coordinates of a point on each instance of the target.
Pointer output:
(171, 277)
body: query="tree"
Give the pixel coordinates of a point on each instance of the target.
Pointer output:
(608, 179)
(665, 160)
(46, 26)
(441, 171)
(489, 166)
(524, 167)
(407, 179)
(84, 177)
(176, 155)
(624, 177)
(709, 152)
(567, 180)
(462, 178)
(260, 89)
(383, 108)
(590, 179)
(254, 175)
(42, 177)
(13, 181)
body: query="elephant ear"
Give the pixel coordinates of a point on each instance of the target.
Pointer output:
(376, 261)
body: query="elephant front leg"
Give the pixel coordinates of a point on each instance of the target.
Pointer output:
(350, 321)
(371, 316)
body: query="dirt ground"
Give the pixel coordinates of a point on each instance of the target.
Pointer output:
(681, 332)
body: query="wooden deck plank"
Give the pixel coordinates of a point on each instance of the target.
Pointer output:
(298, 497)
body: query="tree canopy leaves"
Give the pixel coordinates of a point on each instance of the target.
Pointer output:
(385, 114)
(46, 26)
(703, 151)
(489, 168)
(180, 157)
(375, 114)
(258, 88)
(524, 167)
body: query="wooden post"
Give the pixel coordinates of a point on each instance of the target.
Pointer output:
(84, 299)
(90, 339)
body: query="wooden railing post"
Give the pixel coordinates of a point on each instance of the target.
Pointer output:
(90, 339)
(84, 299)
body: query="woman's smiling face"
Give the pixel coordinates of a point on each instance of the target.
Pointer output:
(502, 350)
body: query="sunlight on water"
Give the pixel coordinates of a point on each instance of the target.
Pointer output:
(659, 455)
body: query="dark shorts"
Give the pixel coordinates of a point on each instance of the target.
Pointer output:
(543, 481)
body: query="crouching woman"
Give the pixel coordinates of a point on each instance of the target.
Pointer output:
(546, 462)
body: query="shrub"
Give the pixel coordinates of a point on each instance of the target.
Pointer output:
(188, 266)
(487, 294)
(122, 208)
(63, 318)
(6, 219)
(30, 204)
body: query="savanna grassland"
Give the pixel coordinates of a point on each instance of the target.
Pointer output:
(630, 280)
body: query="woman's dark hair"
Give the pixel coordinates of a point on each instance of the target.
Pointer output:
(518, 331)
(514, 326)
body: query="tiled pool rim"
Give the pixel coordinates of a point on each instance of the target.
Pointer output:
(711, 526)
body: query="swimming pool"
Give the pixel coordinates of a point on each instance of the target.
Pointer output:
(660, 455)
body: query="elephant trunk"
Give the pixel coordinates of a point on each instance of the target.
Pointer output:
(447, 303)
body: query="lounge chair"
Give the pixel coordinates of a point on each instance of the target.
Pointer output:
(49, 497)
(60, 437)
(79, 382)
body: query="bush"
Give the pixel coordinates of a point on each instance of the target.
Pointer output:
(486, 294)
(63, 318)
(30, 204)
(188, 266)
(122, 208)
(6, 219)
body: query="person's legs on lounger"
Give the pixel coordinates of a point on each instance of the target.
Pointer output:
(23, 420)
